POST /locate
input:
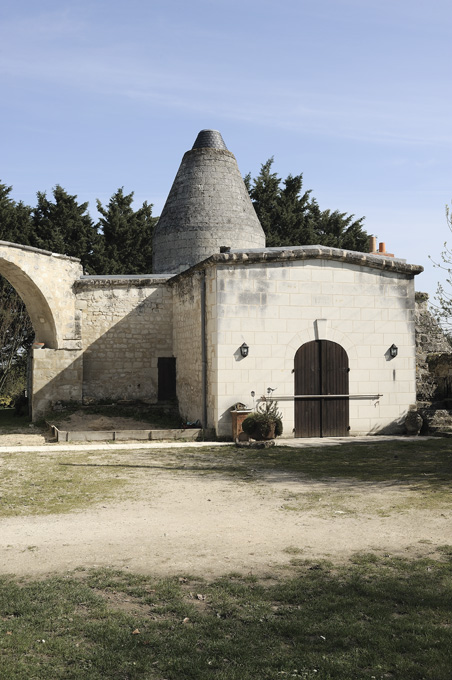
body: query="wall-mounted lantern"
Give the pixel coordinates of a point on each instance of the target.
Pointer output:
(244, 350)
(393, 351)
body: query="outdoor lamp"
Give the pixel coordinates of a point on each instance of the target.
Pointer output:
(393, 351)
(244, 349)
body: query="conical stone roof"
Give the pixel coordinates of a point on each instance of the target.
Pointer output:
(208, 207)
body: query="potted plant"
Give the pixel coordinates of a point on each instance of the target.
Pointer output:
(265, 422)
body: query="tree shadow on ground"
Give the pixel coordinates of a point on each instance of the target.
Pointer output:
(419, 463)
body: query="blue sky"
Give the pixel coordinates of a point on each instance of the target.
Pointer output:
(355, 94)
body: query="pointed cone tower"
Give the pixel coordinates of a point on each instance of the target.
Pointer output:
(208, 207)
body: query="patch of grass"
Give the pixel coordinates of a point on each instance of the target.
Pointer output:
(293, 550)
(328, 501)
(419, 471)
(32, 484)
(372, 619)
(398, 461)
(378, 478)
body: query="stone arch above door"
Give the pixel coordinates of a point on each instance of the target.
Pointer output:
(324, 331)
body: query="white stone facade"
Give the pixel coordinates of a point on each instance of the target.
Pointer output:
(277, 307)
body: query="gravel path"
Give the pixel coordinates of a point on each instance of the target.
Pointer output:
(186, 522)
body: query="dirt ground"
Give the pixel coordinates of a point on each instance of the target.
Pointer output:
(211, 524)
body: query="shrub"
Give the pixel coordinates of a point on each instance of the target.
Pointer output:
(265, 422)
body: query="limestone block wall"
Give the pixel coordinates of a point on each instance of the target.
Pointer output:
(430, 340)
(211, 313)
(275, 307)
(126, 326)
(56, 376)
(187, 333)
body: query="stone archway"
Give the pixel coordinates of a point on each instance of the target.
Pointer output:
(38, 308)
(45, 282)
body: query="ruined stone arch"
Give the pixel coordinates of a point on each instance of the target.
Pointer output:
(45, 282)
(38, 308)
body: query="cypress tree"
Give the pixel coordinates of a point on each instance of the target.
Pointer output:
(292, 217)
(126, 246)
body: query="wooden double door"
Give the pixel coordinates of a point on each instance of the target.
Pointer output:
(321, 370)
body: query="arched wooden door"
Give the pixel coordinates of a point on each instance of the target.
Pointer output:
(321, 370)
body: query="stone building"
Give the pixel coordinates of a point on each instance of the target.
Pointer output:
(330, 333)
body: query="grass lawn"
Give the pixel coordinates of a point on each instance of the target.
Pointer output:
(32, 483)
(374, 618)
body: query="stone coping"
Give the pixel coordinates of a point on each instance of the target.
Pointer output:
(293, 253)
(189, 434)
(39, 251)
(120, 280)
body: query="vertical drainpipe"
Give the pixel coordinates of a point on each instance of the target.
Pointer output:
(204, 348)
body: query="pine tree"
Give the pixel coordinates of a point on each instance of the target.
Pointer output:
(126, 246)
(15, 218)
(291, 217)
(64, 226)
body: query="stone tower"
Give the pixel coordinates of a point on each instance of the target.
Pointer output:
(208, 207)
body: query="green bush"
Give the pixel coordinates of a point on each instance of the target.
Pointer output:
(265, 422)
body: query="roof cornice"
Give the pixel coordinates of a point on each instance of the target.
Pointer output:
(294, 253)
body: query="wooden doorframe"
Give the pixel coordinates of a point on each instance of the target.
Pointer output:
(321, 369)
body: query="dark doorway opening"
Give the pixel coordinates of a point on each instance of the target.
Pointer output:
(166, 378)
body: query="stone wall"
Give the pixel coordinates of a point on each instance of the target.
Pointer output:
(277, 307)
(126, 326)
(187, 333)
(45, 282)
(56, 376)
(433, 354)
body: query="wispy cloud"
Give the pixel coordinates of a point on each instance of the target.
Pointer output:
(60, 50)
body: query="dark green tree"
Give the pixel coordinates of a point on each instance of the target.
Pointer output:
(16, 332)
(15, 218)
(64, 226)
(126, 245)
(290, 216)
(16, 336)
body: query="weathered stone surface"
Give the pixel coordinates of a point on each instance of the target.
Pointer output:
(208, 207)
(188, 344)
(431, 343)
(127, 325)
(44, 281)
(246, 256)
(436, 421)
